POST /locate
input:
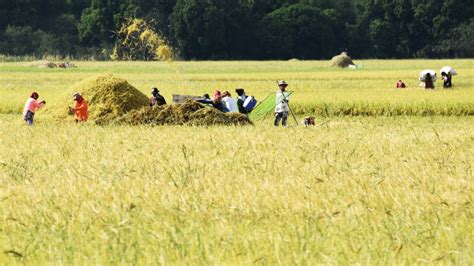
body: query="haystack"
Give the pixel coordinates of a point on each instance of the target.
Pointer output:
(189, 113)
(110, 98)
(342, 60)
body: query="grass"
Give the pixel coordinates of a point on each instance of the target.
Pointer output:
(357, 190)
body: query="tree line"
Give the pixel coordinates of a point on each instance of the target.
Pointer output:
(244, 29)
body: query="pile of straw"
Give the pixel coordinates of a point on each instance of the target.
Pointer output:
(189, 113)
(342, 60)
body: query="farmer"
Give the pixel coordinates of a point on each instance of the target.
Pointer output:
(206, 100)
(81, 108)
(401, 84)
(429, 84)
(230, 103)
(241, 100)
(217, 102)
(156, 98)
(447, 80)
(282, 108)
(32, 104)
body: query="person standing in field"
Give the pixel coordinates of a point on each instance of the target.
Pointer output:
(282, 108)
(429, 84)
(156, 98)
(229, 102)
(447, 80)
(31, 106)
(81, 108)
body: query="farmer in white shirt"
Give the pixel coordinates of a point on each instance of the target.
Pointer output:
(229, 102)
(282, 109)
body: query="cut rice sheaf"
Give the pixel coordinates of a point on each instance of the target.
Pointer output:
(189, 113)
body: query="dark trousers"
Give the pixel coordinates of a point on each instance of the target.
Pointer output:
(283, 116)
(29, 118)
(447, 84)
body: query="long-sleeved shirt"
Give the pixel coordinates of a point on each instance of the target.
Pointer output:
(231, 104)
(32, 105)
(81, 110)
(282, 99)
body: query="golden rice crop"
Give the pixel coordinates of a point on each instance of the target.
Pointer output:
(354, 191)
(372, 190)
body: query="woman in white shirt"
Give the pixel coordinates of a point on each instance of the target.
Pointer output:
(229, 102)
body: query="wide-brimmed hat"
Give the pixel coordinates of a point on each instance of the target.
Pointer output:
(282, 83)
(154, 90)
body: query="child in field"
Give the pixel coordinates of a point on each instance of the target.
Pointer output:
(32, 104)
(81, 108)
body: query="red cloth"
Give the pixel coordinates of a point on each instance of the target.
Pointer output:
(81, 110)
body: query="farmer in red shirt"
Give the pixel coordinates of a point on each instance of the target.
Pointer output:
(81, 109)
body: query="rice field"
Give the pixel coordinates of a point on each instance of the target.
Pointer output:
(319, 89)
(361, 188)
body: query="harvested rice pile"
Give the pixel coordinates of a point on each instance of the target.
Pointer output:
(110, 98)
(189, 113)
(114, 101)
(342, 60)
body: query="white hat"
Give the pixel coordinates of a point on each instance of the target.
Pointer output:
(282, 83)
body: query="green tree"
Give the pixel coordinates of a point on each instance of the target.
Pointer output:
(198, 28)
(297, 31)
(158, 11)
(17, 40)
(99, 21)
(460, 42)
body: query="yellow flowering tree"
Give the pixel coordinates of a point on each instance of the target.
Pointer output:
(136, 40)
